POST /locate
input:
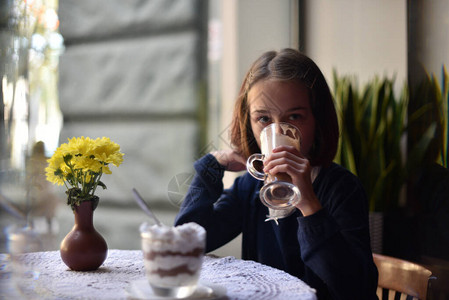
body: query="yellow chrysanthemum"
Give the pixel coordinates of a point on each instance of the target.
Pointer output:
(107, 152)
(80, 163)
(56, 167)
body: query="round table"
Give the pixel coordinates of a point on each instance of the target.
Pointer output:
(43, 275)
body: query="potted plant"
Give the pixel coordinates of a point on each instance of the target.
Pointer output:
(375, 126)
(79, 165)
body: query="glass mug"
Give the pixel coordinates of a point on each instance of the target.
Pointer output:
(278, 192)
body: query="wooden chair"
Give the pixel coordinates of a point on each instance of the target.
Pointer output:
(401, 279)
(439, 288)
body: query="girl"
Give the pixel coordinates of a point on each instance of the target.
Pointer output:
(325, 241)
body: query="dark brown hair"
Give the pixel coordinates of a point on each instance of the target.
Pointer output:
(289, 65)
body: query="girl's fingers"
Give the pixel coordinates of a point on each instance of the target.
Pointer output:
(290, 149)
(296, 166)
(283, 157)
(230, 159)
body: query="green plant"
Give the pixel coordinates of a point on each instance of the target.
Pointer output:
(432, 96)
(374, 124)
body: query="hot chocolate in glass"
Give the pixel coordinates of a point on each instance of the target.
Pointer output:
(278, 192)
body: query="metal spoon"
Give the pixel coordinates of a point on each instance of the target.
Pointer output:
(145, 207)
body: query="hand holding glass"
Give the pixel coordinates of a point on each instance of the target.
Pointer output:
(278, 191)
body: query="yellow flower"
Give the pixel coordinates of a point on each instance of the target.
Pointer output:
(54, 170)
(107, 152)
(80, 163)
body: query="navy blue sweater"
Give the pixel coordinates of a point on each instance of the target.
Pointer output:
(329, 250)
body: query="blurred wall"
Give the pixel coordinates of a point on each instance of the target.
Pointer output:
(357, 37)
(428, 39)
(134, 71)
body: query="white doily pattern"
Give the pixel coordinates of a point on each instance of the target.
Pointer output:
(43, 275)
(251, 280)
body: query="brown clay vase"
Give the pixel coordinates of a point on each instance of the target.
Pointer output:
(83, 248)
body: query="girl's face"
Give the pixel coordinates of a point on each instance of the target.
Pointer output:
(273, 101)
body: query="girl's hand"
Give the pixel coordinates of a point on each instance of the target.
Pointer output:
(230, 159)
(287, 159)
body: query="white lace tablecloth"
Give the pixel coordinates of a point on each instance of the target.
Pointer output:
(43, 275)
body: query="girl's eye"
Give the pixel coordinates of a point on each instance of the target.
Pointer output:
(294, 117)
(263, 119)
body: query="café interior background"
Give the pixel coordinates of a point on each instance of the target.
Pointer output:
(160, 78)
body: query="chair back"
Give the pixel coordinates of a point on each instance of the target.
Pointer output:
(398, 276)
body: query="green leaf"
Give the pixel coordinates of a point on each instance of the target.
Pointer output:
(100, 183)
(417, 153)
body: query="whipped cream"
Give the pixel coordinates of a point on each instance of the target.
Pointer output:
(182, 238)
(276, 139)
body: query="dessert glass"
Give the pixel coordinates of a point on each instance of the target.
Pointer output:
(173, 257)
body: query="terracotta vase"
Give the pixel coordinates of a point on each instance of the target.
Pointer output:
(83, 248)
